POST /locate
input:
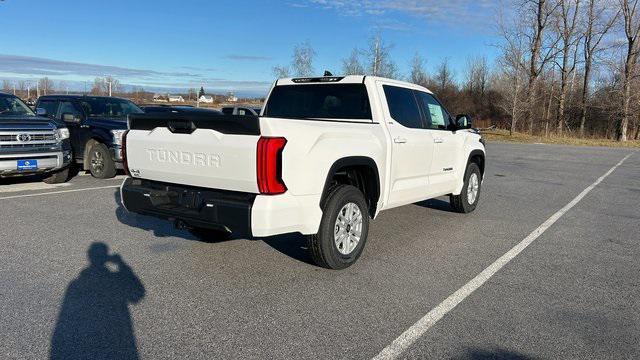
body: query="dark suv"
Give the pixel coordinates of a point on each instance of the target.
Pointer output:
(96, 124)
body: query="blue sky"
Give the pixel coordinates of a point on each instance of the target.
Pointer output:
(228, 45)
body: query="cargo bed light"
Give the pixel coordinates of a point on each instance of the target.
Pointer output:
(318, 79)
(269, 165)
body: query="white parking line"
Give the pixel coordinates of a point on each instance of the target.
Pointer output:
(33, 186)
(59, 192)
(407, 338)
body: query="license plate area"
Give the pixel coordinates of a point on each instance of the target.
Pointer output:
(185, 199)
(25, 165)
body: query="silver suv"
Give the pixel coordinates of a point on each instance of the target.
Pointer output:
(30, 144)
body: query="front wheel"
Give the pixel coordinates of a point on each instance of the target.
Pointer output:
(343, 229)
(101, 165)
(468, 199)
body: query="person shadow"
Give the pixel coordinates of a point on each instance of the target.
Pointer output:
(94, 321)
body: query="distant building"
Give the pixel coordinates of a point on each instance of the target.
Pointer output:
(232, 98)
(206, 99)
(175, 98)
(159, 98)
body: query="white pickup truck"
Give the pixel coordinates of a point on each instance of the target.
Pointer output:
(325, 155)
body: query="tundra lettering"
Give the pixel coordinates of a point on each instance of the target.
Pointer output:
(183, 157)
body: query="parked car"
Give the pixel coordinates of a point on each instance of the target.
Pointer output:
(241, 110)
(327, 155)
(96, 125)
(30, 144)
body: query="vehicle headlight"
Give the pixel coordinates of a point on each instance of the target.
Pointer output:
(62, 133)
(117, 136)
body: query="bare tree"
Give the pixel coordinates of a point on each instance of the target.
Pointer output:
(566, 27)
(418, 74)
(281, 72)
(476, 75)
(631, 19)
(303, 56)
(98, 86)
(598, 22)
(514, 46)
(45, 85)
(6, 86)
(538, 14)
(443, 76)
(379, 56)
(353, 65)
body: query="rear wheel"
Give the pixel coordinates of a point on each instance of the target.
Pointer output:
(101, 165)
(468, 199)
(343, 229)
(57, 177)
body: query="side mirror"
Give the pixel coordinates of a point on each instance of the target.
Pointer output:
(41, 112)
(464, 121)
(70, 118)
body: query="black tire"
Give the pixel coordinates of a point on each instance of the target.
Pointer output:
(460, 203)
(210, 235)
(322, 246)
(57, 177)
(101, 165)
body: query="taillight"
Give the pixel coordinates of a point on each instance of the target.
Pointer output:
(269, 165)
(123, 153)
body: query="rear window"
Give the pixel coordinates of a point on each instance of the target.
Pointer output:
(321, 101)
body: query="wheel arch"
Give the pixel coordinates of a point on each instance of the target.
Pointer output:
(87, 148)
(478, 156)
(367, 179)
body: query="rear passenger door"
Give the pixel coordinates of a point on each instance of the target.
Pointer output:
(447, 145)
(411, 147)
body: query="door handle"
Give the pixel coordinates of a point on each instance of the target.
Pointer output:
(399, 140)
(438, 140)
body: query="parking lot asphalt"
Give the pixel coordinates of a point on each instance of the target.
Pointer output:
(572, 293)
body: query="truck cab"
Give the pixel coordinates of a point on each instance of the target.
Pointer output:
(96, 124)
(326, 155)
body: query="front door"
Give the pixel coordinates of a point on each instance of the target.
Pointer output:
(412, 146)
(443, 174)
(75, 128)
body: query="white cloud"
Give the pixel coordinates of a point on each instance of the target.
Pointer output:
(463, 11)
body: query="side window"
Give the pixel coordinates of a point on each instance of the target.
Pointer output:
(67, 107)
(227, 111)
(403, 107)
(51, 106)
(437, 116)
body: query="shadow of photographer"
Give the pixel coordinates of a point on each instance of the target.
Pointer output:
(94, 321)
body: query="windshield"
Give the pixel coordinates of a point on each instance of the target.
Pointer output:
(12, 106)
(319, 101)
(109, 107)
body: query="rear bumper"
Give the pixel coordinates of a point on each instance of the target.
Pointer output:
(47, 161)
(193, 206)
(245, 214)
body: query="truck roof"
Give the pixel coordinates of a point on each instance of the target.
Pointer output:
(349, 79)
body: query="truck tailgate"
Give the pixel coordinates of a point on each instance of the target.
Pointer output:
(212, 151)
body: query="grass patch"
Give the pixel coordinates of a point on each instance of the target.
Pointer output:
(503, 136)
